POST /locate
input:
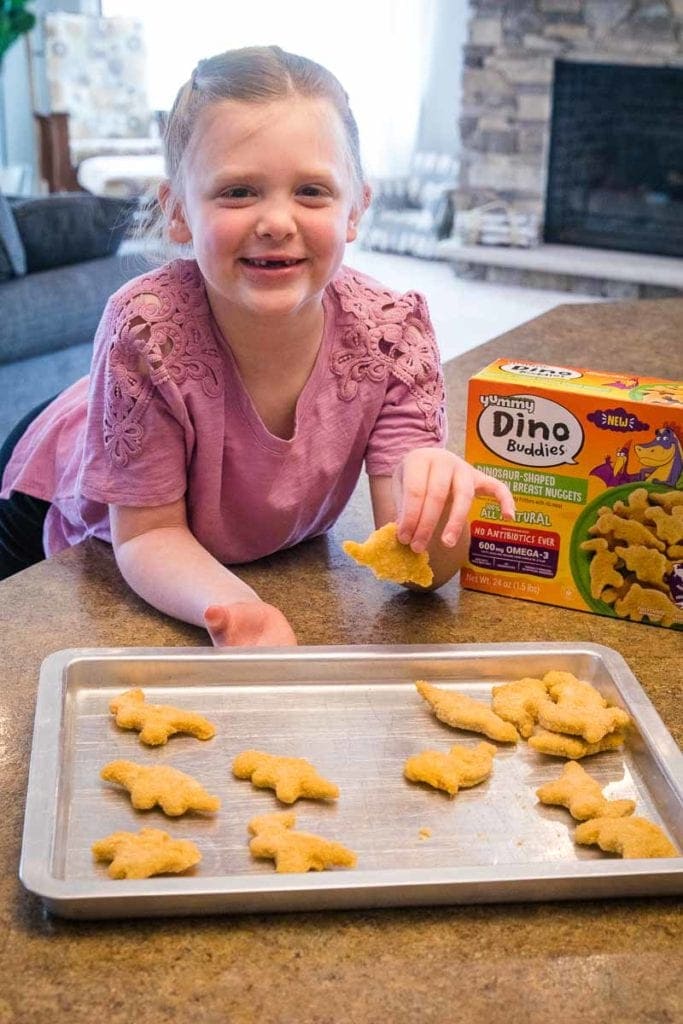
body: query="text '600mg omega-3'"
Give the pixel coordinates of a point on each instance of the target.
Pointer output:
(595, 462)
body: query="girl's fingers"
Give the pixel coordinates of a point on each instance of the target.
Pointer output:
(464, 490)
(424, 485)
(496, 489)
(438, 494)
(413, 489)
(462, 499)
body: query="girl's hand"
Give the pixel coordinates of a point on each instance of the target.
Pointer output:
(248, 624)
(426, 482)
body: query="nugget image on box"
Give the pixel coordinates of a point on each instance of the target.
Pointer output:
(595, 463)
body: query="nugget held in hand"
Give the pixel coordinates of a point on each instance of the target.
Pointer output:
(290, 777)
(582, 795)
(557, 744)
(578, 708)
(148, 785)
(292, 851)
(389, 559)
(518, 702)
(460, 768)
(631, 837)
(156, 722)
(462, 712)
(147, 852)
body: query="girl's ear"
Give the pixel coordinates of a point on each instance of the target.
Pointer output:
(178, 228)
(356, 214)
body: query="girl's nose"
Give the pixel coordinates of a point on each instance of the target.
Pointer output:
(276, 220)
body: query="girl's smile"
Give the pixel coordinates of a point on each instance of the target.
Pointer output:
(271, 268)
(268, 204)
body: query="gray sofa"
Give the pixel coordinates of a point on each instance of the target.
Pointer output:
(59, 263)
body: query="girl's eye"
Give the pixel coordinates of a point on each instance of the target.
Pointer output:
(313, 192)
(238, 192)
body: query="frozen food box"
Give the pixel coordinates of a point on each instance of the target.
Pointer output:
(595, 463)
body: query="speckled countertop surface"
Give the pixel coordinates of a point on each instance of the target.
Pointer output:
(612, 960)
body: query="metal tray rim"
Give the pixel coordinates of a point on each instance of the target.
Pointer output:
(388, 878)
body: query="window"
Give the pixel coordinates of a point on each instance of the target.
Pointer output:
(379, 50)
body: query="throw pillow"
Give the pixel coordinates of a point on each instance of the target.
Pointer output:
(70, 227)
(12, 255)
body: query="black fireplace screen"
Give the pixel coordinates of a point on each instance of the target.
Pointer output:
(615, 173)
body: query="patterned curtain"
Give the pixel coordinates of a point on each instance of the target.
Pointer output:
(96, 69)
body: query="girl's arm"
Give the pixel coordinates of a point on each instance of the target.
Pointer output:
(163, 562)
(429, 496)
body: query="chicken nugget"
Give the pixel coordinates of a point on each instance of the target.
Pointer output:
(650, 566)
(635, 507)
(148, 785)
(668, 500)
(668, 525)
(556, 744)
(646, 603)
(461, 768)
(518, 702)
(147, 852)
(579, 709)
(627, 530)
(290, 777)
(462, 712)
(156, 722)
(631, 837)
(601, 566)
(582, 795)
(389, 559)
(292, 851)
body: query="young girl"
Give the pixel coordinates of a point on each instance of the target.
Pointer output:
(235, 396)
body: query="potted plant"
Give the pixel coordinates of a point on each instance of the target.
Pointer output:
(15, 20)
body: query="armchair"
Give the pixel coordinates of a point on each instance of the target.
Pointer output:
(410, 214)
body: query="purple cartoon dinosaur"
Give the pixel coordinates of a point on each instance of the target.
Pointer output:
(614, 473)
(662, 456)
(661, 460)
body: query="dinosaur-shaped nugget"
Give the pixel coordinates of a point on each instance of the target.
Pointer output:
(156, 722)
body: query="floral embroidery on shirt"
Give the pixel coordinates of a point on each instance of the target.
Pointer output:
(161, 332)
(385, 333)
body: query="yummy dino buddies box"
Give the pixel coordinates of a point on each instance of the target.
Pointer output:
(595, 463)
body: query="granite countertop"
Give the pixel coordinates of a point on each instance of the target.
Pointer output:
(575, 961)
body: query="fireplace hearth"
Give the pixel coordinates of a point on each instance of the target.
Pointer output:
(615, 168)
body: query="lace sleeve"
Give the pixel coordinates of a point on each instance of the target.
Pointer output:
(159, 335)
(387, 335)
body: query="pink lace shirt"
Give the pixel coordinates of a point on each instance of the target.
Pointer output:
(164, 414)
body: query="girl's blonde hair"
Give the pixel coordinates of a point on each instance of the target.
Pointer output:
(255, 74)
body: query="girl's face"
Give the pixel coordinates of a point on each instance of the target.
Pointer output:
(268, 204)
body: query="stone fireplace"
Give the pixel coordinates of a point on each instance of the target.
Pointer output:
(529, 65)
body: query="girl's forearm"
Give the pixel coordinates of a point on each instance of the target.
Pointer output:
(171, 570)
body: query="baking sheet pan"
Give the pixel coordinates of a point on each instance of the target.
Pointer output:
(355, 714)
